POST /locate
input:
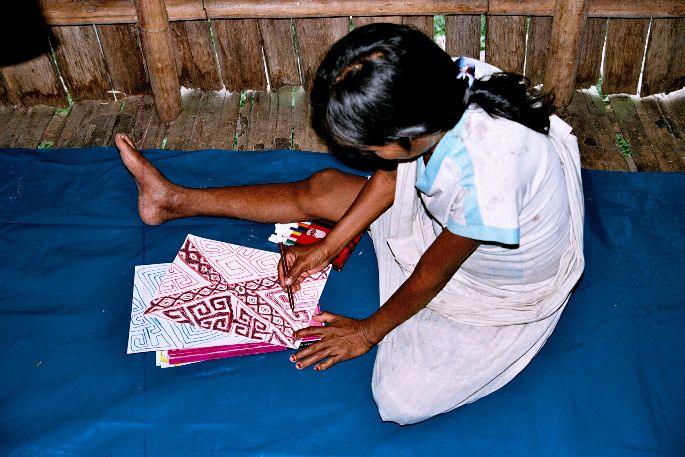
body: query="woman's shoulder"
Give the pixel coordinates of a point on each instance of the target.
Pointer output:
(477, 126)
(487, 139)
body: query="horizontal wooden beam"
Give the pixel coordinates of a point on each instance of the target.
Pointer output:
(335, 8)
(64, 12)
(596, 8)
(70, 12)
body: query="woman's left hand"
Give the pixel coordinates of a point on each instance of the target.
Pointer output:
(342, 338)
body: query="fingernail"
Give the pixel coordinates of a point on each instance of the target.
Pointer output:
(292, 358)
(317, 368)
(288, 282)
(298, 365)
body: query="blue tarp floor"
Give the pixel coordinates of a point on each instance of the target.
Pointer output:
(609, 382)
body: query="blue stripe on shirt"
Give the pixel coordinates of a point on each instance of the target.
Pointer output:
(452, 148)
(484, 233)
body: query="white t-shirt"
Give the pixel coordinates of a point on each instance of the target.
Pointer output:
(515, 190)
(499, 182)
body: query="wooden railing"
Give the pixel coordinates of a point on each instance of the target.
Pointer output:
(255, 44)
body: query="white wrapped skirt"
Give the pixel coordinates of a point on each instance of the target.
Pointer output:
(433, 363)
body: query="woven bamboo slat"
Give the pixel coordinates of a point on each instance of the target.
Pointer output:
(632, 131)
(32, 129)
(624, 52)
(239, 46)
(126, 120)
(651, 129)
(121, 49)
(33, 82)
(197, 67)
(593, 151)
(539, 33)
(672, 108)
(81, 62)
(314, 38)
(590, 60)
(10, 119)
(261, 121)
(244, 122)
(182, 129)
(664, 69)
(283, 132)
(670, 152)
(462, 35)
(219, 122)
(279, 52)
(4, 96)
(604, 126)
(505, 42)
(75, 127)
(422, 23)
(151, 128)
(304, 137)
(102, 124)
(54, 129)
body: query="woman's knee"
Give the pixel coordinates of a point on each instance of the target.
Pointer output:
(410, 387)
(396, 404)
(405, 393)
(328, 193)
(323, 181)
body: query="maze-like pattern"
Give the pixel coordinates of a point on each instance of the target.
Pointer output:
(237, 292)
(147, 332)
(179, 279)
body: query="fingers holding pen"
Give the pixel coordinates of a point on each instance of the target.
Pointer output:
(283, 266)
(285, 275)
(297, 263)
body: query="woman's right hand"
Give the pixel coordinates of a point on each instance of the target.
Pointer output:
(302, 261)
(375, 197)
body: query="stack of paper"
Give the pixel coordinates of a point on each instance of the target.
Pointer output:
(217, 300)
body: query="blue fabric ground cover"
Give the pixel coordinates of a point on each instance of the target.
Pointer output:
(608, 382)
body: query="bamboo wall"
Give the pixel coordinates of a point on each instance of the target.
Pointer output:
(98, 52)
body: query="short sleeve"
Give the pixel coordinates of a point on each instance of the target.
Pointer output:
(469, 193)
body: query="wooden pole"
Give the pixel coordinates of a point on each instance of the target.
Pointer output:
(564, 50)
(159, 57)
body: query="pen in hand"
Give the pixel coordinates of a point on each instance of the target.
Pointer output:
(288, 289)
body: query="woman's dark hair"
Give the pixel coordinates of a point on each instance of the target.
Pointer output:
(387, 83)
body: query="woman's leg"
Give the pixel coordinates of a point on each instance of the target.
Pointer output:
(327, 194)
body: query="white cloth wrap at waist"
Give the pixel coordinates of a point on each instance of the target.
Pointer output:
(468, 301)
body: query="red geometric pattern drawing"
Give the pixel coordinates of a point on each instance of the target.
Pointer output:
(234, 289)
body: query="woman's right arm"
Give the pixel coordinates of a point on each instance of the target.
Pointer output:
(374, 199)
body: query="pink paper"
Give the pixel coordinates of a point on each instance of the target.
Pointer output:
(234, 289)
(180, 356)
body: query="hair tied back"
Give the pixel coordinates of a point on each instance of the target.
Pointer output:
(466, 71)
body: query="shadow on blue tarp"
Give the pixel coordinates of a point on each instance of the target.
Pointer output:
(608, 382)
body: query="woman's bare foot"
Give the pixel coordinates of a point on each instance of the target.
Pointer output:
(157, 196)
